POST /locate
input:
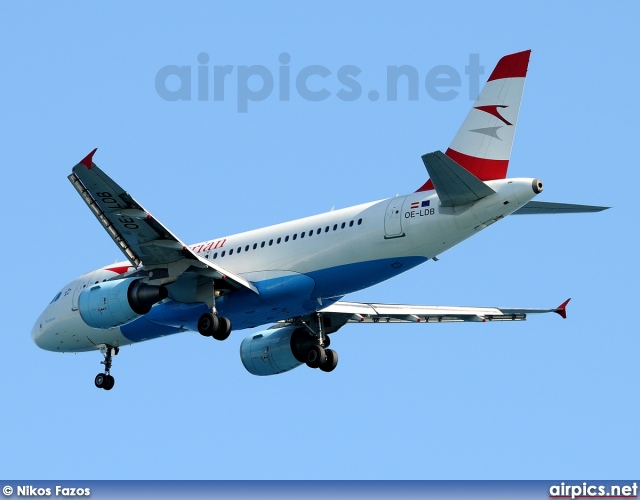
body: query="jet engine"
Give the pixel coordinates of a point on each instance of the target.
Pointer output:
(275, 351)
(114, 303)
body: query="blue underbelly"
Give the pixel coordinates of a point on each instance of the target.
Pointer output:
(280, 298)
(349, 278)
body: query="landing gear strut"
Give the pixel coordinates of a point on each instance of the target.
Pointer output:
(105, 380)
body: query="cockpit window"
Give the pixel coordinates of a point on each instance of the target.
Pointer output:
(56, 297)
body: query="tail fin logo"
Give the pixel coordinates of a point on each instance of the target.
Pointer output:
(492, 109)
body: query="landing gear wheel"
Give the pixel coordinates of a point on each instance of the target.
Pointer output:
(332, 361)
(223, 330)
(316, 356)
(207, 324)
(104, 381)
(326, 341)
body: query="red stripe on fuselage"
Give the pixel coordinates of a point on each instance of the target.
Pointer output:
(118, 269)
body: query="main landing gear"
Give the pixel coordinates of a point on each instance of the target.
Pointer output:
(319, 357)
(212, 325)
(105, 380)
(312, 347)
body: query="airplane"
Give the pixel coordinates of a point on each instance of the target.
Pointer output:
(294, 275)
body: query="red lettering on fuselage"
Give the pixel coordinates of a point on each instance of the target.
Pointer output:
(207, 246)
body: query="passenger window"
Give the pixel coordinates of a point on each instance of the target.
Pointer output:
(343, 224)
(255, 245)
(351, 224)
(311, 233)
(246, 249)
(262, 245)
(279, 240)
(286, 239)
(295, 236)
(302, 234)
(335, 226)
(359, 221)
(222, 254)
(231, 252)
(215, 255)
(270, 242)
(326, 229)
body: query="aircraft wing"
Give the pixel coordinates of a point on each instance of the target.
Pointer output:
(141, 237)
(341, 313)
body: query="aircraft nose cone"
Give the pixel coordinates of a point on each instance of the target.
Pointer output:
(40, 335)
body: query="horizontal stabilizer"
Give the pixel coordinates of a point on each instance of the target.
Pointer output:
(455, 185)
(547, 207)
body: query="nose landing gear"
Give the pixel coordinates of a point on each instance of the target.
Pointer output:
(105, 380)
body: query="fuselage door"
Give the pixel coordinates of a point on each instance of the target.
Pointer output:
(393, 218)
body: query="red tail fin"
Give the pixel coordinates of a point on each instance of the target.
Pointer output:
(483, 144)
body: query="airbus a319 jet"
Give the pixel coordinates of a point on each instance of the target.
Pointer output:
(295, 274)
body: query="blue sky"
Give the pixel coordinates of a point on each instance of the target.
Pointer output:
(546, 398)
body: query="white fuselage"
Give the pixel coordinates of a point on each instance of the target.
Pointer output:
(298, 266)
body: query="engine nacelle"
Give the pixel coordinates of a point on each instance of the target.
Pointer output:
(275, 351)
(114, 303)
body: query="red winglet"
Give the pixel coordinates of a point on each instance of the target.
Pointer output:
(87, 161)
(562, 309)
